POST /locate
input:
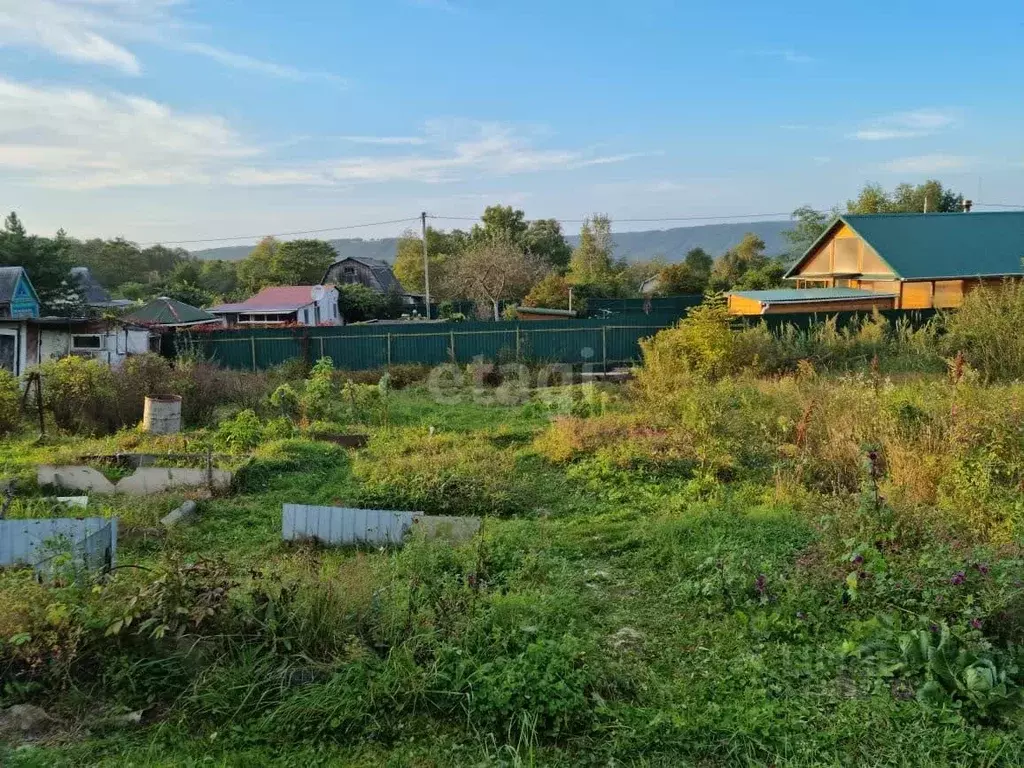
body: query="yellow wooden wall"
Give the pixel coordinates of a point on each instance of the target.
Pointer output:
(741, 305)
(844, 253)
(839, 305)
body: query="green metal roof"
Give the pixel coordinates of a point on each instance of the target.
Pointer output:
(165, 311)
(936, 245)
(791, 295)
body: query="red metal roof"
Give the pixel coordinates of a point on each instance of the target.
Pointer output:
(284, 298)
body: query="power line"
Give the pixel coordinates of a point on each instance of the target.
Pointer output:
(476, 219)
(282, 234)
(787, 214)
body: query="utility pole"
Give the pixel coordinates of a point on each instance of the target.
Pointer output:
(426, 264)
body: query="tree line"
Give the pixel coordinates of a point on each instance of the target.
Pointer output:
(502, 258)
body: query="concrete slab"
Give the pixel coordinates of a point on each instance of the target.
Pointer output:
(142, 482)
(76, 478)
(182, 514)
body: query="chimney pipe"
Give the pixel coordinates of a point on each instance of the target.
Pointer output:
(967, 205)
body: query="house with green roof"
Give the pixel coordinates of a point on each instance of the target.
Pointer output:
(896, 261)
(165, 312)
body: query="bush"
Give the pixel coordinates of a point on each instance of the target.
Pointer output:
(80, 394)
(439, 474)
(242, 433)
(986, 329)
(10, 403)
(204, 387)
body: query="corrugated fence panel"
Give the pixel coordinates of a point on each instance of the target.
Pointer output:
(344, 525)
(495, 343)
(421, 349)
(90, 540)
(657, 304)
(355, 352)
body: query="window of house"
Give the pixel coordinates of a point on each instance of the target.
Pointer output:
(92, 341)
(348, 275)
(316, 315)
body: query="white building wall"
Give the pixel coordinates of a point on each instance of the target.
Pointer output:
(114, 344)
(328, 305)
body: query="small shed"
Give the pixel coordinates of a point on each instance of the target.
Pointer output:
(166, 312)
(783, 300)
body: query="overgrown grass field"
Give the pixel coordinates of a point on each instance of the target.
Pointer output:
(713, 565)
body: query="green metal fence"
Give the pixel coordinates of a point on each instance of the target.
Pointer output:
(602, 342)
(655, 305)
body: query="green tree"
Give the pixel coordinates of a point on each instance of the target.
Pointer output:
(220, 278)
(301, 262)
(552, 292)
(255, 270)
(493, 271)
(748, 256)
(47, 263)
(681, 279)
(442, 249)
(808, 227)
(545, 239)
(501, 221)
(357, 303)
(906, 198)
(592, 265)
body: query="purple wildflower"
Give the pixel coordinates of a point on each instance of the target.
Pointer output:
(958, 578)
(857, 559)
(761, 584)
(975, 623)
(983, 569)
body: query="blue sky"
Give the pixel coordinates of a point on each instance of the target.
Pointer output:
(177, 120)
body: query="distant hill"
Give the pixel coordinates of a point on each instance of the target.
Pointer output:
(635, 246)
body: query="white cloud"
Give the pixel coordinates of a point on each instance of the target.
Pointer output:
(100, 31)
(248, 63)
(76, 139)
(70, 138)
(70, 30)
(906, 125)
(928, 164)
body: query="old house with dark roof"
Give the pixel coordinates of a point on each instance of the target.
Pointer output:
(896, 261)
(373, 273)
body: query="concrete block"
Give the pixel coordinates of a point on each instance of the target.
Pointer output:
(142, 482)
(182, 514)
(147, 480)
(71, 501)
(76, 478)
